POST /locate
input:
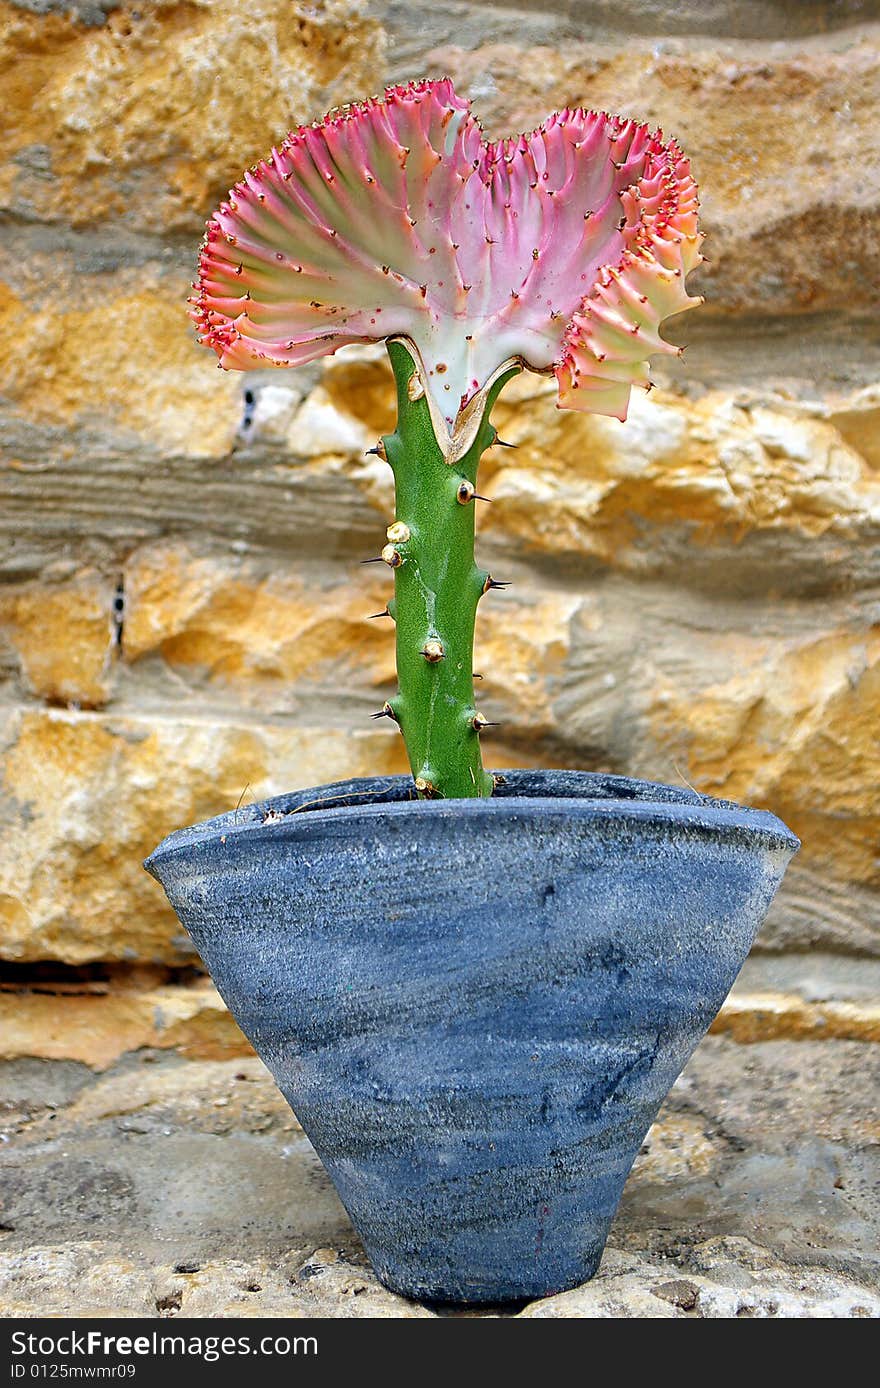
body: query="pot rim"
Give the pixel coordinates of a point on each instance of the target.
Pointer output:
(535, 793)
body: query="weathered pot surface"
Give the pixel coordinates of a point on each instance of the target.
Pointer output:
(476, 1007)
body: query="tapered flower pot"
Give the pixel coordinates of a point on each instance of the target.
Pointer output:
(476, 1007)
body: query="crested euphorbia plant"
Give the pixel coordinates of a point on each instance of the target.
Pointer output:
(560, 251)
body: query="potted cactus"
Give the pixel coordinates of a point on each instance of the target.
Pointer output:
(475, 989)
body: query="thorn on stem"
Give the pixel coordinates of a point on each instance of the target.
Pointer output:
(374, 615)
(467, 492)
(479, 722)
(386, 711)
(433, 651)
(494, 583)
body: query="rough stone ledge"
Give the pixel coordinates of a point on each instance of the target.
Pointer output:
(169, 1187)
(722, 1278)
(750, 1017)
(96, 1024)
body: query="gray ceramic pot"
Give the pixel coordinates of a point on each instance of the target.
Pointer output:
(476, 1007)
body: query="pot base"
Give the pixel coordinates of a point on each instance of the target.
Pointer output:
(476, 1007)
(503, 1292)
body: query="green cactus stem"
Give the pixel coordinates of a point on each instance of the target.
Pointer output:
(438, 586)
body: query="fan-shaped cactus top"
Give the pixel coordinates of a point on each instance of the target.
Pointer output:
(562, 250)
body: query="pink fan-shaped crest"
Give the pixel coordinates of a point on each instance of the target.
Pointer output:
(561, 250)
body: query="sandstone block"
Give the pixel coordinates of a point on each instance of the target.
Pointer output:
(87, 798)
(150, 117)
(62, 636)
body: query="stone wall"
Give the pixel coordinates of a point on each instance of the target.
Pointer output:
(182, 610)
